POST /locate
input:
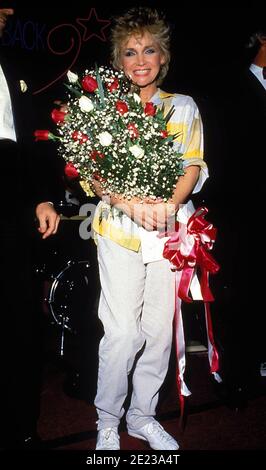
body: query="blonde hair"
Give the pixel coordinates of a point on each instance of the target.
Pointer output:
(138, 21)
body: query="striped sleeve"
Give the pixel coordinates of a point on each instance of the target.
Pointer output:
(187, 124)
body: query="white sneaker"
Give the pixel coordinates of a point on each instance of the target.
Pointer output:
(156, 436)
(108, 439)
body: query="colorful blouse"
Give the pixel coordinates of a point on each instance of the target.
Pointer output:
(187, 123)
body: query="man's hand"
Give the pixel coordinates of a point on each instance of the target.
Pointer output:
(48, 219)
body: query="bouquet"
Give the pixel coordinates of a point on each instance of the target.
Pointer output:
(105, 133)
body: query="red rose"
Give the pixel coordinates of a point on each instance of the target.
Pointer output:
(82, 138)
(121, 107)
(71, 172)
(95, 154)
(113, 86)
(164, 134)
(150, 109)
(58, 116)
(89, 84)
(97, 177)
(133, 131)
(42, 135)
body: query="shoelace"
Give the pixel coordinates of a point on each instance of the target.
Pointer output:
(108, 433)
(157, 428)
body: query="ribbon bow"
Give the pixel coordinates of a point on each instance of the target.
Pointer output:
(187, 249)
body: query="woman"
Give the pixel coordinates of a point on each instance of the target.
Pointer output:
(138, 290)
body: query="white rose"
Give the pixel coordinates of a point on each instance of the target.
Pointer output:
(137, 151)
(105, 139)
(136, 98)
(72, 77)
(85, 104)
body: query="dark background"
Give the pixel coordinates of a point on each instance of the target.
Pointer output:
(208, 45)
(203, 40)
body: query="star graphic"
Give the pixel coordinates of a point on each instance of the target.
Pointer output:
(93, 26)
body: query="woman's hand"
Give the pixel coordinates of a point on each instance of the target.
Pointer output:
(97, 188)
(154, 215)
(162, 213)
(134, 208)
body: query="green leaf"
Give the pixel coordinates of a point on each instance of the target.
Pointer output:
(100, 86)
(74, 90)
(90, 134)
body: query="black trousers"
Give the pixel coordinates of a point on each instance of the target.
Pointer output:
(20, 328)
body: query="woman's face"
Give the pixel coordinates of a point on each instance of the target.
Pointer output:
(141, 59)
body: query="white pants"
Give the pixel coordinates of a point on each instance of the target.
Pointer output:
(136, 309)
